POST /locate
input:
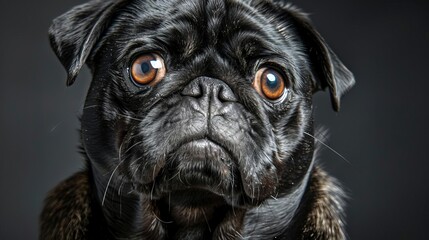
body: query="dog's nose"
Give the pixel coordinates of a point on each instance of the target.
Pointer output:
(210, 89)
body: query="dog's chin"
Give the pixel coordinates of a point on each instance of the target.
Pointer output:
(198, 172)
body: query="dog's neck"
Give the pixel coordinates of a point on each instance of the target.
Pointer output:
(172, 218)
(212, 221)
(270, 218)
(193, 214)
(318, 216)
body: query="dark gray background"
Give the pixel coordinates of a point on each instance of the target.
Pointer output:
(381, 130)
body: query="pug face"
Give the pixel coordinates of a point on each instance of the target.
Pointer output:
(197, 103)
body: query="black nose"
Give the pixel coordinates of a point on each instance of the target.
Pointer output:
(205, 88)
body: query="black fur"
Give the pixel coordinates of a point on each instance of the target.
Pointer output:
(200, 155)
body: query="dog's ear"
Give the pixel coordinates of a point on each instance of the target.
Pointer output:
(327, 69)
(74, 34)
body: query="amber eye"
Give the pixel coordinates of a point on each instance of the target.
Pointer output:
(269, 83)
(147, 69)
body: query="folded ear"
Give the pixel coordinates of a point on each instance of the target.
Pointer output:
(327, 69)
(74, 34)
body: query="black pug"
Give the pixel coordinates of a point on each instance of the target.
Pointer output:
(198, 122)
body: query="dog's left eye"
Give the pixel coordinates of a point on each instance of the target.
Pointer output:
(269, 83)
(147, 69)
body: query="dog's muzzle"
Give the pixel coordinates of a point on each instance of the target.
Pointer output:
(204, 140)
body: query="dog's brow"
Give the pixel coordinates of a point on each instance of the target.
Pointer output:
(135, 45)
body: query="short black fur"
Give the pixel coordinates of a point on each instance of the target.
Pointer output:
(201, 154)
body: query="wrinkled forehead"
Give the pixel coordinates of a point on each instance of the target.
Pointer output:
(187, 27)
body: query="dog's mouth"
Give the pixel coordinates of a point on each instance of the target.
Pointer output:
(196, 170)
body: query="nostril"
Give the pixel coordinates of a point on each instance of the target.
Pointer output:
(193, 90)
(225, 94)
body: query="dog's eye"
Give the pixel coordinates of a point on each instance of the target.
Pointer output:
(269, 83)
(147, 69)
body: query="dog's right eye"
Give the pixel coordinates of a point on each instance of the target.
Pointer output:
(147, 69)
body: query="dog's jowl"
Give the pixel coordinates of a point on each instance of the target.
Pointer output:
(198, 122)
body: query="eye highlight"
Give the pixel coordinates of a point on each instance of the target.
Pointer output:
(269, 83)
(147, 69)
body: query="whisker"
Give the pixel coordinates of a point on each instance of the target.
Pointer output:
(129, 117)
(111, 176)
(108, 183)
(205, 217)
(131, 147)
(328, 147)
(120, 196)
(169, 202)
(136, 160)
(55, 127)
(152, 190)
(180, 177)
(135, 171)
(91, 106)
(174, 176)
(275, 197)
(159, 219)
(232, 191)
